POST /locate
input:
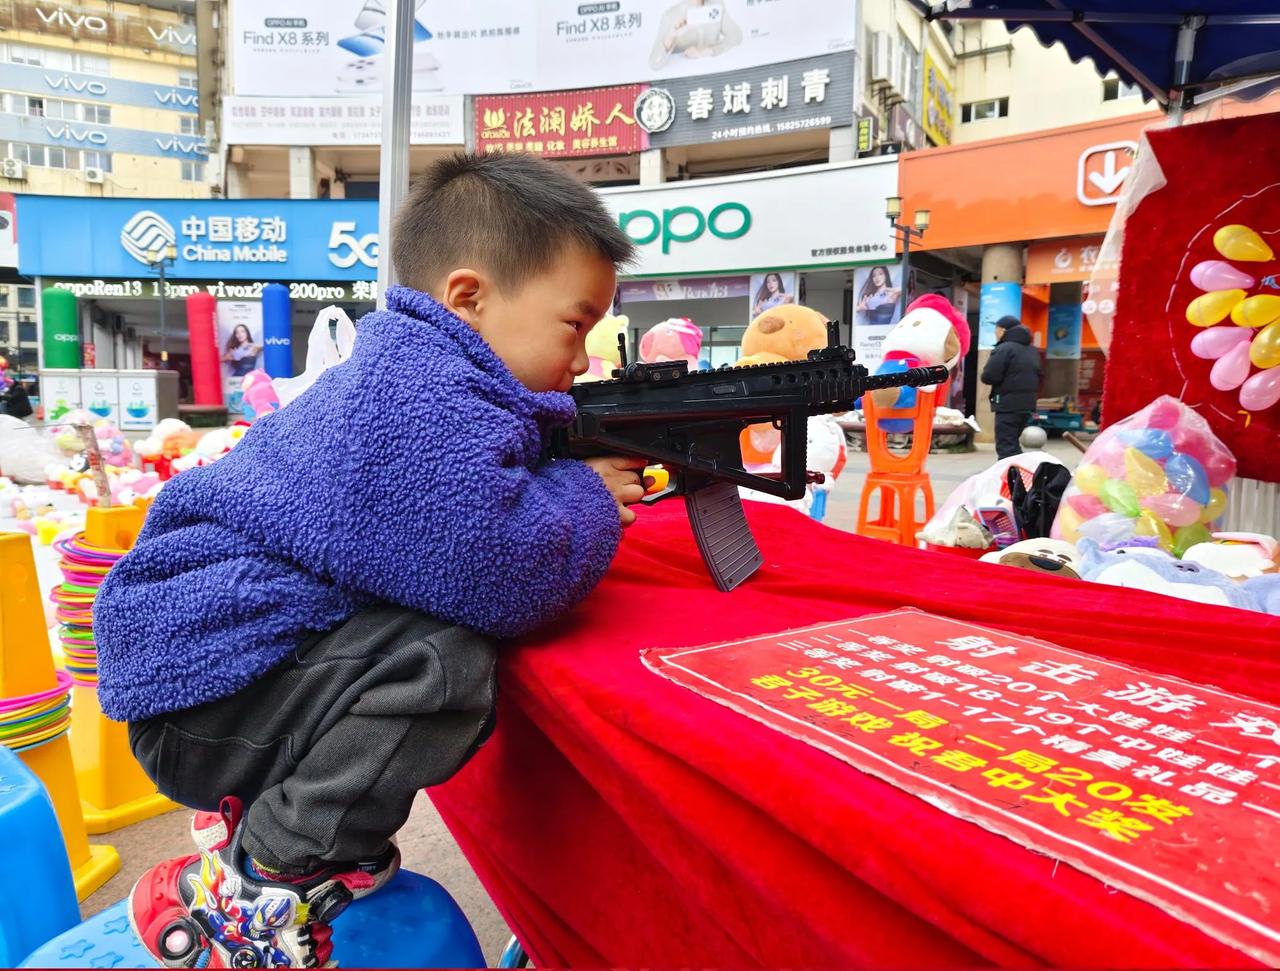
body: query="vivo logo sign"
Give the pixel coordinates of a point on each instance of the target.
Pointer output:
(67, 83)
(77, 134)
(180, 145)
(60, 18)
(171, 35)
(176, 98)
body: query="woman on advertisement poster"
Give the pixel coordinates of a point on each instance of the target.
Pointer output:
(241, 352)
(878, 298)
(772, 293)
(694, 28)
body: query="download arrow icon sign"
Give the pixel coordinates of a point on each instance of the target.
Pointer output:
(1109, 180)
(1101, 188)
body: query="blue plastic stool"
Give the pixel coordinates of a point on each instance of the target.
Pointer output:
(412, 922)
(41, 900)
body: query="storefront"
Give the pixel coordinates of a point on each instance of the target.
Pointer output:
(721, 250)
(130, 268)
(1024, 217)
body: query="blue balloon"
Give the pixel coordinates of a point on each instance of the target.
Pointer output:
(1151, 442)
(1188, 477)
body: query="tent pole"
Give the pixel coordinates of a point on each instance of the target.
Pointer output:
(393, 165)
(1182, 57)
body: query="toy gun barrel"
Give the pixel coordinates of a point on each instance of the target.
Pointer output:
(916, 377)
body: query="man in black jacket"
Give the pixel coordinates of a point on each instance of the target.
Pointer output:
(1013, 371)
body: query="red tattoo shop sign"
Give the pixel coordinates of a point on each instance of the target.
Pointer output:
(1120, 772)
(561, 124)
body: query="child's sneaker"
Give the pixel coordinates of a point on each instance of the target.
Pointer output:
(216, 910)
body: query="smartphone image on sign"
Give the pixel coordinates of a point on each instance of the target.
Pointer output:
(698, 16)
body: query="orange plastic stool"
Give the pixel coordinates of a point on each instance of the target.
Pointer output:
(897, 478)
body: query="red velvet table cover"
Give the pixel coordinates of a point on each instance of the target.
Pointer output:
(617, 818)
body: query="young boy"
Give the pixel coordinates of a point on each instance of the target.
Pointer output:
(305, 627)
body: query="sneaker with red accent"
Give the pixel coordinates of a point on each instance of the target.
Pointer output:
(215, 909)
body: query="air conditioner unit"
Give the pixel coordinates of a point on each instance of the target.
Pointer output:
(882, 58)
(94, 174)
(12, 168)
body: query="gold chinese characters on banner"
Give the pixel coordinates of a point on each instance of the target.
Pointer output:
(561, 124)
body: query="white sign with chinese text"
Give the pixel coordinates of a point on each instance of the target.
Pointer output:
(433, 120)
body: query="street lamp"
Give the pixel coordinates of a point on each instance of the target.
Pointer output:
(904, 234)
(161, 258)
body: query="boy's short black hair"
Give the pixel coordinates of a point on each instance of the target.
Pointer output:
(509, 214)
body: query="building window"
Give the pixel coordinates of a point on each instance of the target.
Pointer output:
(27, 332)
(192, 171)
(51, 156)
(982, 110)
(96, 160)
(188, 80)
(96, 114)
(94, 64)
(35, 106)
(189, 125)
(1113, 89)
(26, 296)
(908, 69)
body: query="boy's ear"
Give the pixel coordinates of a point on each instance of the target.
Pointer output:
(463, 292)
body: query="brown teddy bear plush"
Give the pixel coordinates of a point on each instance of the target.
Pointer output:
(789, 331)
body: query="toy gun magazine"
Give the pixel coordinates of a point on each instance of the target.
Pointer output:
(690, 422)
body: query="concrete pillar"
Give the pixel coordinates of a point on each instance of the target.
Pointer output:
(1001, 263)
(1062, 375)
(842, 144)
(302, 172)
(653, 167)
(237, 180)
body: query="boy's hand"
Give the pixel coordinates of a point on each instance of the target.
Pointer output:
(621, 475)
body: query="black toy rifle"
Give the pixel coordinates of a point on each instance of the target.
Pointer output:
(690, 422)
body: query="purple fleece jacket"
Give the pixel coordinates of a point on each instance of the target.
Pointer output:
(410, 474)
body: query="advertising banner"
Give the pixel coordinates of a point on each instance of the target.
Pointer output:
(100, 394)
(1164, 789)
(998, 299)
(939, 103)
(239, 330)
(698, 288)
(433, 120)
(1065, 327)
(560, 124)
(877, 306)
(772, 289)
(318, 48)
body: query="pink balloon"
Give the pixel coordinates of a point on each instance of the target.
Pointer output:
(1231, 369)
(1214, 342)
(1219, 466)
(1190, 442)
(1220, 275)
(1165, 412)
(1087, 506)
(1176, 510)
(1111, 457)
(1261, 391)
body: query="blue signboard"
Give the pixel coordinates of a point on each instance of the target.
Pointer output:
(1065, 325)
(100, 138)
(74, 86)
(227, 239)
(998, 300)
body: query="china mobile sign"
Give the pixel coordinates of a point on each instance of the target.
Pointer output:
(1165, 789)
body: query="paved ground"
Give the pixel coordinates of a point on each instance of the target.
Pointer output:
(426, 844)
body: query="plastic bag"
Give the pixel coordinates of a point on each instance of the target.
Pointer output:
(323, 352)
(988, 489)
(1157, 478)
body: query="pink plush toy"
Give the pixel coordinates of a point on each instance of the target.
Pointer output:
(676, 339)
(260, 396)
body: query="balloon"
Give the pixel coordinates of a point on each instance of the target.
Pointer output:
(1174, 509)
(1087, 506)
(1143, 473)
(1211, 344)
(1165, 412)
(1238, 242)
(1188, 536)
(1264, 351)
(1187, 477)
(1230, 370)
(1220, 275)
(1089, 478)
(1212, 308)
(1256, 311)
(1220, 465)
(1110, 455)
(1190, 441)
(1260, 392)
(1120, 497)
(1217, 503)
(1151, 442)
(1067, 525)
(1112, 529)
(1149, 524)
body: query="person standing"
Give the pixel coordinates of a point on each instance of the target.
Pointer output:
(1013, 371)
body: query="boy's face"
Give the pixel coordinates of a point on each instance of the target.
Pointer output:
(539, 330)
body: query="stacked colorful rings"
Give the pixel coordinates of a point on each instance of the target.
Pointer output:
(84, 567)
(34, 720)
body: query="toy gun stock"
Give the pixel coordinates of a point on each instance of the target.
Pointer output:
(690, 422)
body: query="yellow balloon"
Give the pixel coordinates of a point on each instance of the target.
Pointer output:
(1217, 503)
(1212, 308)
(1256, 311)
(1264, 349)
(1149, 524)
(1068, 523)
(1089, 479)
(1144, 474)
(1238, 242)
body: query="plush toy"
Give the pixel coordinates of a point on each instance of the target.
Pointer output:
(602, 347)
(676, 339)
(260, 396)
(112, 444)
(1151, 568)
(65, 434)
(1043, 555)
(1238, 555)
(789, 331)
(930, 332)
(828, 452)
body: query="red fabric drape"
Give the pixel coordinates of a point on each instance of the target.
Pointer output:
(617, 818)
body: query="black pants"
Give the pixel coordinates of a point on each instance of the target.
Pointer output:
(328, 749)
(1009, 426)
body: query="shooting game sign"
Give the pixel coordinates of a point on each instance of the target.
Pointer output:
(1124, 774)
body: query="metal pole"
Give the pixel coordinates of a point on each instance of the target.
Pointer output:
(164, 337)
(397, 95)
(1182, 58)
(906, 266)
